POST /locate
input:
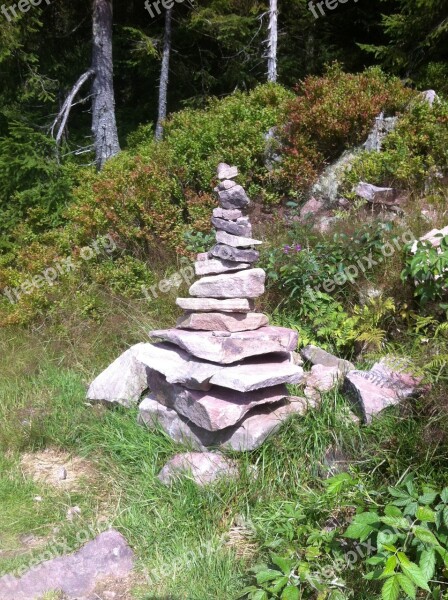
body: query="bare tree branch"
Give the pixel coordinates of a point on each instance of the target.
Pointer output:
(64, 113)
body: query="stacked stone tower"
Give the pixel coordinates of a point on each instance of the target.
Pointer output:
(218, 379)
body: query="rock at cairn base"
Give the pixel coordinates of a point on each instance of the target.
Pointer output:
(203, 468)
(246, 436)
(386, 384)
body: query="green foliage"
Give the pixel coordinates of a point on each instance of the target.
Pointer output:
(410, 538)
(412, 156)
(230, 130)
(33, 185)
(416, 33)
(332, 113)
(428, 268)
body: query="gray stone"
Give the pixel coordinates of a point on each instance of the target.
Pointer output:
(228, 215)
(236, 241)
(227, 184)
(235, 347)
(386, 384)
(234, 197)
(239, 228)
(225, 171)
(235, 305)
(248, 435)
(311, 207)
(317, 356)
(203, 468)
(383, 126)
(245, 284)
(76, 575)
(223, 322)
(375, 194)
(234, 254)
(123, 382)
(177, 365)
(217, 267)
(259, 374)
(322, 379)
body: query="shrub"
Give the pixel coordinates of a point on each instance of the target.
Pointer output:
(33, 185)
(332, 113)
(411, 155)
(428, 267)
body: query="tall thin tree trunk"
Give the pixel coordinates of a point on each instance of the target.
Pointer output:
(272, 41)
(164, 74)
(104, 126)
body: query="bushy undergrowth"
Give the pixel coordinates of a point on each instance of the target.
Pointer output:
(332, 113)
(414, 156)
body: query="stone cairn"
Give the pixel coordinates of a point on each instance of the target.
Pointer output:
(218, 379)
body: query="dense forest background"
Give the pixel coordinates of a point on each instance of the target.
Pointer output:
(218, 46)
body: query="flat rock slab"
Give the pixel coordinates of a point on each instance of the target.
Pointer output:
(228, 215)
(223, 322)
(322, 379)
(233, 347)
(241, 227)
(228, 253)
(203, 468)
(386, 384)
(217, 267)
(122, 383)
(234, 305)
(76, 575)
(375, 194)
(258, 375)
(248, 435)
(177, 365)
(216, 409)
(317, 356)
(236, 241)
(234, 197)
(244, 284)
(226, 171)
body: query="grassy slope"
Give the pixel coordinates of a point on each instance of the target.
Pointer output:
(179, 534)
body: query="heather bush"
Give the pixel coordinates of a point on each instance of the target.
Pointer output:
(332, 113)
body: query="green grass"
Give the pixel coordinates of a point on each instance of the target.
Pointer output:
(179, 533)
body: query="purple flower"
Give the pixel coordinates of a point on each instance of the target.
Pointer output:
(286, 249)
(298, 248)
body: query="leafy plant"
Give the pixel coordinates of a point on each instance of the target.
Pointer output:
(428, 267)
(410, 539)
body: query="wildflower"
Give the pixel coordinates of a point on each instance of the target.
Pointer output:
(298, 248)
(286, 249)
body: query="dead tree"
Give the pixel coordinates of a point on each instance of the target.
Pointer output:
(272, 41)
(164, 74)
(104, 127)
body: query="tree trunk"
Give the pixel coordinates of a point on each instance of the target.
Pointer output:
(272, 41)
(104, 125)
(164, 74)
